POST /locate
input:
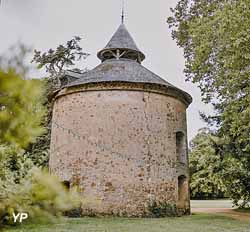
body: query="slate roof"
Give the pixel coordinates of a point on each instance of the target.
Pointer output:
(122, 69)
(121, 40)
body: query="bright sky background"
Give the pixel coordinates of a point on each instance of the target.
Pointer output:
(44, 24)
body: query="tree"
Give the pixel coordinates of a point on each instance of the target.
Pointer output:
(215, 38)
(206, 166)
(24, 188)
(56, 62)
(21, 114)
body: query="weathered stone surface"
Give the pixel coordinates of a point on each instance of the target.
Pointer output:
(119, 133)
(120, 147)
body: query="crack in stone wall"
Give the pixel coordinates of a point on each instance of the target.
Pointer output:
(125, 156)
(146, 97)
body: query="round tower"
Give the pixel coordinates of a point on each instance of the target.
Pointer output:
(119, 131)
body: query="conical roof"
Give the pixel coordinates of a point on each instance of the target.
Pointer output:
(121, 63)
(123, 41)
(119, 71)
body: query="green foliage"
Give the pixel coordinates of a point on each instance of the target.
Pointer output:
(24, 187)
(215, 38)
(39, 151)
(21, 109)
(14, 165)
(16, 58)
(206, 167)
(236, 176)
(56, 62)
(39, 194)
(63, 57)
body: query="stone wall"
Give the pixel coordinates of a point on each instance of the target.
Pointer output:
(120, 148)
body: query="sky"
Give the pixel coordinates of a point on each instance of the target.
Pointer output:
(44, 24)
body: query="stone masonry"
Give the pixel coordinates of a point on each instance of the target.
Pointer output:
(119, 132)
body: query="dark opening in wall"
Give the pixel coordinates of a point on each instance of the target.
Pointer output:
(66, 184)
(181, 147)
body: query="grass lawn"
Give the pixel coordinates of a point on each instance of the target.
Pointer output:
(198, 222)
(194, 223)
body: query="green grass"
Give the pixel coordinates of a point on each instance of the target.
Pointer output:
(194, 223)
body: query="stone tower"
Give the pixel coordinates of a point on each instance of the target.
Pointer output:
(119, 131)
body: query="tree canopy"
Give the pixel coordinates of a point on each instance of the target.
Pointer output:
(57, 61)
(215, 37)
(206, 166)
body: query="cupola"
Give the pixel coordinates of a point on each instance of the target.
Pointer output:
(121, 46)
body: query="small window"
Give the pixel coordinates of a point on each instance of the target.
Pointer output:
(181, 147)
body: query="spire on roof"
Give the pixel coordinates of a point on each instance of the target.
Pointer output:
(123, 6)
(121, 46)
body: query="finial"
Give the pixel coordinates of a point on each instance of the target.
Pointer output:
(123, 6)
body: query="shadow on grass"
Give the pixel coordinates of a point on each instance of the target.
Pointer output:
(247, 211)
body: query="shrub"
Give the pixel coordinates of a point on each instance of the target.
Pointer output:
(39, 194)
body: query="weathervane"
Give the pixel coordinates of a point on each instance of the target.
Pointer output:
(123, 6)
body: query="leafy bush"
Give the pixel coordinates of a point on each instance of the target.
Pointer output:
(23, 186)
(21, 109)
(39, 194)
(14, 165)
